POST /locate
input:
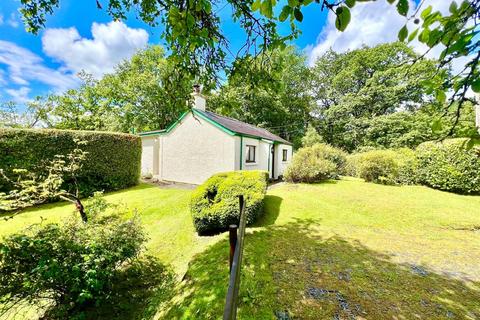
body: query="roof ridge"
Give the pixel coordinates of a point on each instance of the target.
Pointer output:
(252, 125)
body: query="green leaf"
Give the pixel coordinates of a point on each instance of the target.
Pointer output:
(266, 9)
(298, 15)
(403, 33)
(391, 1)
(343, 18)
(402, 7)
(476, 86)
(441, 96)
(293, 3)
(413, 35)
(425, 13)
(286, 11)
(453, 7)
(350, 3)
(256, 5)
(437, 125)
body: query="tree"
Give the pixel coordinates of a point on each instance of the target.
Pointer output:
(311, 137)
(193, 33)
(274, 96)
(31, 189)
(34, 115)
(353, 88)
(144, 93)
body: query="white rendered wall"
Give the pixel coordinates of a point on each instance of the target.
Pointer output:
(150, 155)
(194, 150)
(281, 165)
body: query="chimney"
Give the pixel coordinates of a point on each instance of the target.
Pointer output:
(199, 101)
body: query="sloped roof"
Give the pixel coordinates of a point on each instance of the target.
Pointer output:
(242, 128)
(229, 125)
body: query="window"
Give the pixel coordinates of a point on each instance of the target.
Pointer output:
(285, 154)
(250, 154)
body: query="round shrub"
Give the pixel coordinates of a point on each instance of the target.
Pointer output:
(407, 166)
(316, 163)
(215, 205)
(112, 162)
(379, 166)
(449, 166)
(72, 266)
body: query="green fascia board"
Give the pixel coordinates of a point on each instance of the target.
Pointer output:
(152, 133)
(216, 124)
(213, 122)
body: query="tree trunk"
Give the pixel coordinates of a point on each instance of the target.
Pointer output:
(81, 210)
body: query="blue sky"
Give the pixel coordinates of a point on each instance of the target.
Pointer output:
(80, 37)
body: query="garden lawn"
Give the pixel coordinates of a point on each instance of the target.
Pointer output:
(342, 249)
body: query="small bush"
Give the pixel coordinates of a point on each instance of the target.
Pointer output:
(407, 166)
(112, 162)
(316, 163)
(214, 204)
(449, 166)
(379, 166)
(73, 265)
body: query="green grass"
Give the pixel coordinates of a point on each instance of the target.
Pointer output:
(344, 249)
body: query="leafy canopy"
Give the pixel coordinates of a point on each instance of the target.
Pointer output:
(193, 34)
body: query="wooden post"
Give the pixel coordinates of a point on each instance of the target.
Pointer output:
(232, 235)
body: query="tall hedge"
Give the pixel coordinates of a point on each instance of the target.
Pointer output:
(113, 160)
(449, 166)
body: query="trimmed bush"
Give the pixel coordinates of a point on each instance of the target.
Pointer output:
(214, 204)
(316, 163)
(379, 166)
(113, 160)
(449, 166)
(384, 166)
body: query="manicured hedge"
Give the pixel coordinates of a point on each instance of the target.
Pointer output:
(316, 163)
(446, 165)
(214, 204)
(113, 160)
(449, 166)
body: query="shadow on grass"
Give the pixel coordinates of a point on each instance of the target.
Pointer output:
(289, 272)
(271, 210)
(137, 292)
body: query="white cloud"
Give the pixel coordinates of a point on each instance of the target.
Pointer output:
(19, 95)
(110, 44)
(23, 66)
(13, 20)
(373, 23)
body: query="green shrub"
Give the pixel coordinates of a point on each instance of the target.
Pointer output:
(72, 266)
(113, 160)
(214, 204)
(449, 166)
(407, 166)
(379, 166)
(316, 163)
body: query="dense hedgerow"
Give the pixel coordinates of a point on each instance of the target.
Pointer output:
(449, 166)
(316, 163)
(215, 205)
(113, 160)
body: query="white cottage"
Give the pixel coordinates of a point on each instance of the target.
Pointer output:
(201, 143)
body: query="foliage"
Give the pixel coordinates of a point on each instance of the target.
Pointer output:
(378, 166)
(72, 265)
(215, 204)
(113, 160)
(316, 163)
(193, 33)
(34, 115)
(449, 166)
(30, 189)
(311, 137)
(274, 96)
(373, 97)
(143, 93)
